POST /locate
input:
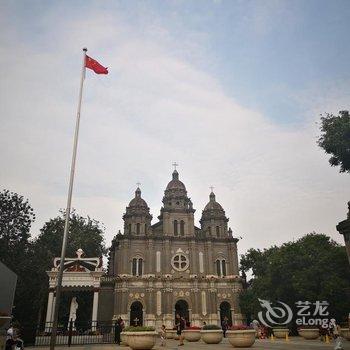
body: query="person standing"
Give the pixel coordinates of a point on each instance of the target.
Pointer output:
(117, 330)
(180, 325)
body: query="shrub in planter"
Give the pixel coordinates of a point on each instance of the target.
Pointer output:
(192, 334)
(208, 327)
(141, 337)
(139, 329)
(211, 334)
(309, 333)
(280, 332)
(241, 336)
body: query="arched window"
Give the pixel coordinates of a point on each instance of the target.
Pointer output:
(182, 228)
(129, 228)
(137, 228)
(218, 268)
(145, 229)
(217, 231)
(134, 267)
(209, 230)
(137, 266)
(175, 228)
(221, 267)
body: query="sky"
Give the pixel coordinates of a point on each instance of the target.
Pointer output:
(230, 90)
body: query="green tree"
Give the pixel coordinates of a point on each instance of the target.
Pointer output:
(309, 269)
(16, 218)
(335, 139)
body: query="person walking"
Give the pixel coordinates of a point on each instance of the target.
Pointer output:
(337, 336)
(162, 334)
(224, 325)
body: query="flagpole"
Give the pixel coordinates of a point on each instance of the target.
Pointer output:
(69, 201)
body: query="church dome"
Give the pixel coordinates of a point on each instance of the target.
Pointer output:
(213, 209)
(137, 206)
(138, 202)
(213, 204)
(175, 183)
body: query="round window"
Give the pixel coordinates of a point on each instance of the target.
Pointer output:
(180, 262)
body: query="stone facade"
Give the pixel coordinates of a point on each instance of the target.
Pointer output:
(172, 266)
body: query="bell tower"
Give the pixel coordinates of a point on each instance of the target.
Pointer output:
(137, 218)
(177, 213)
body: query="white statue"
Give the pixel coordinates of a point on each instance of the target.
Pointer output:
(73, 311)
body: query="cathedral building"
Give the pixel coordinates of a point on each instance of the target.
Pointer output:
(172, 266)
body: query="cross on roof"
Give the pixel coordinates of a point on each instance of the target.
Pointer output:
(138, 184)
(175, 165)
(211, 188)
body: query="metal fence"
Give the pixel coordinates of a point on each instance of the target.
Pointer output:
(79, 334)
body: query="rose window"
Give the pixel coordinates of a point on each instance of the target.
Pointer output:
(180, 262)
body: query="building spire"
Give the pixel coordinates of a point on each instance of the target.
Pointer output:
(138, 191)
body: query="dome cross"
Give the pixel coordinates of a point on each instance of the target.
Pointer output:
(175, 165)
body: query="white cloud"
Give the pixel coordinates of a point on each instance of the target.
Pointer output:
(155, 107)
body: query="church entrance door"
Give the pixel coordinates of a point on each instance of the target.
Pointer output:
(136, 314)
(181, 308)
(225, 311)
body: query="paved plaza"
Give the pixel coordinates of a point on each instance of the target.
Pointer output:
(295, 343)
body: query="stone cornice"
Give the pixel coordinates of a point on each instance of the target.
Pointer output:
(175, 239)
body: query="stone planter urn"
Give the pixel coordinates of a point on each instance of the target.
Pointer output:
(212, 336)
(309, 333)
(280, 332)
(241, 338)
(170, 333)
(124, 338)
(345, 333)
(192, 335)
(142, 340)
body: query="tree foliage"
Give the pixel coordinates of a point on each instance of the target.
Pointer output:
(335, 139)
(309, 269)
(16, 218)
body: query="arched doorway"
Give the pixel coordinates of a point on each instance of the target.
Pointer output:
(136, 314)
(225, 311)
(181, 308)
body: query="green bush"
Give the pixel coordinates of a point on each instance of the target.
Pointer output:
(138, 329)
(210, 326)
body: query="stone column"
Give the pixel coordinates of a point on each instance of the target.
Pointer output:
(190, 316)
(94, 309)
(49, 311)
(210, 261)
(232, 316)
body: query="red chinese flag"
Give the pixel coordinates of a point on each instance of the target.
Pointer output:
(95, 66)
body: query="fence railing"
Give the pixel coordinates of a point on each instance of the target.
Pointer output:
(80, 333)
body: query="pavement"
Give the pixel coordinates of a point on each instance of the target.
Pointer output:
(294, 343)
